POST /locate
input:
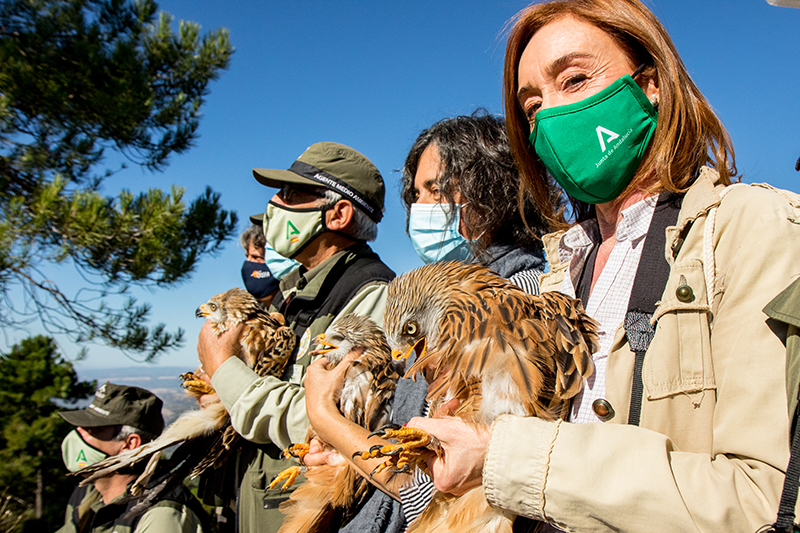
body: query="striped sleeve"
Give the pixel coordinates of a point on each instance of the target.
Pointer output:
(527, 280)
(416, 496)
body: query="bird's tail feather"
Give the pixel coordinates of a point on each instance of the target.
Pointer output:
(330, 498)
(188, 426)
(468, 513)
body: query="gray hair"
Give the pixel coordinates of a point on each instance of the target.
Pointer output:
(364, 228)
(255, 235)
(123, 432)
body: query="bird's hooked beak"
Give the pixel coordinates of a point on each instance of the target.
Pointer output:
(201, 311)
(419, 347)
(325, 346)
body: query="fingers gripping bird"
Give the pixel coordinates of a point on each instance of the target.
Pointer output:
(335, 491)
(486, 348)
(205, 435)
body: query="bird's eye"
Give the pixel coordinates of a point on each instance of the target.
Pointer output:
(213, 307)
(411, 328)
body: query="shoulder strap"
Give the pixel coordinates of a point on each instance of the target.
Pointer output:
(648, 286)
(340, 285)
(81, 512)
(785, 520)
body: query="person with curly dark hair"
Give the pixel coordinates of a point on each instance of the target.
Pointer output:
(461, 191)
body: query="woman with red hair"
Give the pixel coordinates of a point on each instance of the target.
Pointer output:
(684, 424)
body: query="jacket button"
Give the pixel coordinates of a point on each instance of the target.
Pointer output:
(684, 291)
(602, 408)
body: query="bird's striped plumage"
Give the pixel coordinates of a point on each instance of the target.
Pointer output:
(205, 436)
(486, 348)
(335, 492)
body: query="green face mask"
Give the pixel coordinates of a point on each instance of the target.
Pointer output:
(77, 454)
(289, 230)
(593, 147)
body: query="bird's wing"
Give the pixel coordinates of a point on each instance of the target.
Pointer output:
(532, 351)
(267, 345)
(574, 335)
(373, 400)
(189, 426)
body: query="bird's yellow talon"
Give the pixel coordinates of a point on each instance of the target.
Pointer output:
(298, 451)
(289, 475)
(193, 384)
(400, 456)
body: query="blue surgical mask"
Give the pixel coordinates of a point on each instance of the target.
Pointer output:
(434, 238)
(278, 265)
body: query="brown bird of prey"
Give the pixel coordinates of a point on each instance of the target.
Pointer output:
(335, 491)
(205, 435)
(486, 348)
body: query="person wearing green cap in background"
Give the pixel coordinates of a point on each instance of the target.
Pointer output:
(120, 418)
(327, 208)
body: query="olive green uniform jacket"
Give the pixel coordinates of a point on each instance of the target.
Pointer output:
(713, 441)
(165, 516)
(271, 411)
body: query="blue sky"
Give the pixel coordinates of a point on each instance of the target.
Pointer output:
(373, 74)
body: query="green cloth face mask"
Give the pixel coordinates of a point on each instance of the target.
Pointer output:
(593, 147)
(289, 230)
(77, 454)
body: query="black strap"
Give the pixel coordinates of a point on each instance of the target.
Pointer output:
(584, 288)
(344, 280)
(648, 286)
(785, 521)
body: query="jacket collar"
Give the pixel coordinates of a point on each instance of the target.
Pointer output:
(703, 195)
(309, 282)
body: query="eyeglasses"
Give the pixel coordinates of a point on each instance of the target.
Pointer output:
(290, 191)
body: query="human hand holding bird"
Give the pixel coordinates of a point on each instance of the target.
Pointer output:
(213, 349)
(485, 348)
(236, 326)
(459, 468)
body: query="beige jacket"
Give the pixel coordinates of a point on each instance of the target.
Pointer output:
(713, 444)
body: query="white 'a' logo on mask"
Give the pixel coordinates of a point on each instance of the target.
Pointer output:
(610, 137)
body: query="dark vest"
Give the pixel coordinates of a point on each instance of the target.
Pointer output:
(350, 274)
(117, 516)
(304, 309)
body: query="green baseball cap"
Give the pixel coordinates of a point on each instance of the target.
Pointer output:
(115, 405)
(336, 167)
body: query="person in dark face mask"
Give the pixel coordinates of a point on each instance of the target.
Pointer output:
(263, 268)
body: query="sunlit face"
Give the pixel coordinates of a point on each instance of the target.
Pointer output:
(426, 180)
(255, 254)
(568, 60)
(426, 183)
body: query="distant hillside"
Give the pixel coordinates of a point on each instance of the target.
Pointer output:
(162, 381)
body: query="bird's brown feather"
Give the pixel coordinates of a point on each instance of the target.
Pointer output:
(266, 347)
(333, 493)
(492, 347)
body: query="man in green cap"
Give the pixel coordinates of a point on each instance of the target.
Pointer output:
(327, 208)
(120, 418)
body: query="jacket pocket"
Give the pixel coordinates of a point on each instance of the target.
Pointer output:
(679, 358)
